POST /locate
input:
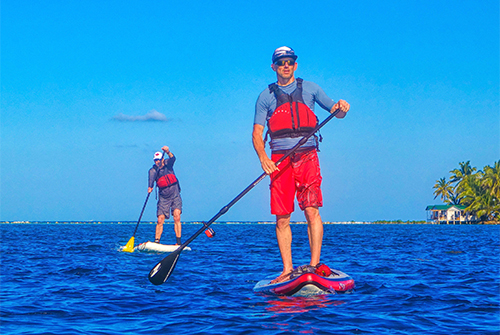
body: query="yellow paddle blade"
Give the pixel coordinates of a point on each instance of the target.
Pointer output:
(130, 245)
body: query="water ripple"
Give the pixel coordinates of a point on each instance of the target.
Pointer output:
(410, 279)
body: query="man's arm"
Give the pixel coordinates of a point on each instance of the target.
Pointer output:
(260, 148)
(167, 151)
(324, 101)
(171, 158)
(151, 180)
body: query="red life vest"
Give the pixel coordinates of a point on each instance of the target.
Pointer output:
(292, 117)
(166, 180)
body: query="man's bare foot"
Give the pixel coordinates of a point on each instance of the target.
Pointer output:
(281, 278)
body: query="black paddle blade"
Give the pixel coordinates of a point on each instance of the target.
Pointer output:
(160, 273)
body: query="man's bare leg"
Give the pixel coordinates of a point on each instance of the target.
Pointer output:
(159, 228)
(315, 232)
(177, 224)
(284, 237)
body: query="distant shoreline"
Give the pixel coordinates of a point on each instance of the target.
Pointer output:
(254, 222)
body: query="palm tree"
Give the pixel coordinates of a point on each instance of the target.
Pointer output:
(455, 199)
(458, 175)
(491, 179)
(470, 188)
(444, 189)
(491, 183)
(478, 198)
(483, 205)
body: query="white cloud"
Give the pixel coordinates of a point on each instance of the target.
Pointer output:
(152, 115)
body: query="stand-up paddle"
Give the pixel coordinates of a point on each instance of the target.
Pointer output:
(160, 273)
(129, 247)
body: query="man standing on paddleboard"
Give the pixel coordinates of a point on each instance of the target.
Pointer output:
(287, 109)
(169, 200)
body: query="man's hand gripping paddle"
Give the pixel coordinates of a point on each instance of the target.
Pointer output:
(129, 247)
(160, 273)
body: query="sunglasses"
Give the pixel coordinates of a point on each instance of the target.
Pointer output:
(282, 62)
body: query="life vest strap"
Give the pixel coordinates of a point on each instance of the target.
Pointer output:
(304, 131)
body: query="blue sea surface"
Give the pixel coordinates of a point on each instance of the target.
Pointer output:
(69, 278)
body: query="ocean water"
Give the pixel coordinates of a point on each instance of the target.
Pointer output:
(66, 278)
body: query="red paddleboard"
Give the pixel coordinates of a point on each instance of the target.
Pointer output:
(311, 283)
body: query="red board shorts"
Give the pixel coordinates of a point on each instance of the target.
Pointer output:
(299, 175)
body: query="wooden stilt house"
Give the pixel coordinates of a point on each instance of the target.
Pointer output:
(448, 214)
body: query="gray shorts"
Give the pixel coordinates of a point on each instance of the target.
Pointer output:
(166, 205)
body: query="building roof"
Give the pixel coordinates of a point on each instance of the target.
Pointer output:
(443, 207)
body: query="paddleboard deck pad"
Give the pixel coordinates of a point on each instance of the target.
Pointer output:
(157, 247)
(308, 283)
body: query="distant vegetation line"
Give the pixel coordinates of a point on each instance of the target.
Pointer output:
(230, 222)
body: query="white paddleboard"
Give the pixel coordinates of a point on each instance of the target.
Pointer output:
(157, 247)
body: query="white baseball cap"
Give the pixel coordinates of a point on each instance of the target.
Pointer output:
(282, 52)
(158, 155)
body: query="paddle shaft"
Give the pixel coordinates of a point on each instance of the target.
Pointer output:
(160, 273)
(142, 212)
(302, 141)
(144, 206)
(224, 209)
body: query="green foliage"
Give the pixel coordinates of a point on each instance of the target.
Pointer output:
(444, 189)
(398, 222)
(478, 191)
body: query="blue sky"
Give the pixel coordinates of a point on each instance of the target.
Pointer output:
(91, 89)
